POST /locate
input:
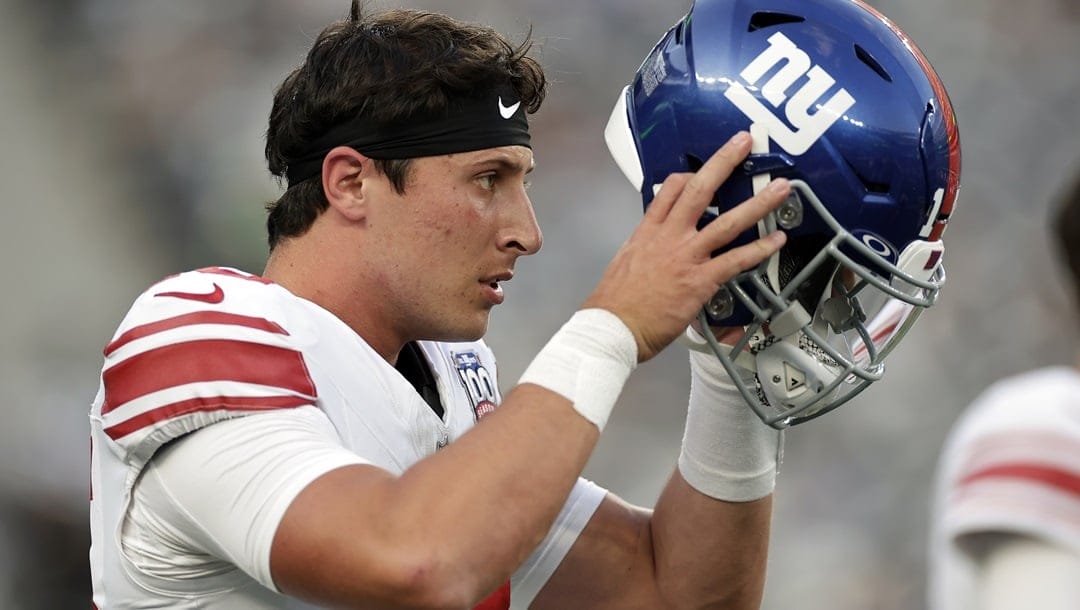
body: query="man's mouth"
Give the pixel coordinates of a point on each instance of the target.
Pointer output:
(494, 280)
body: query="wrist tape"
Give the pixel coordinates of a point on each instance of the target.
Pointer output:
(587, 361)
(728, 453)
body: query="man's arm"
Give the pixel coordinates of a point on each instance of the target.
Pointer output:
(455, 526)
(706, 544)
(709, 553)
(450, 529)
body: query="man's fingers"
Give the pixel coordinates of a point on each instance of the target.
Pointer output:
(670, 191)
(734, 261)
(743, 216)
(700, 189)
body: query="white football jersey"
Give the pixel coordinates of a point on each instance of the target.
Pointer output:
(216, 344)
(1012, 465)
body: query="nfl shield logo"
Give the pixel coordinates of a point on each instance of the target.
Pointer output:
(477, 381)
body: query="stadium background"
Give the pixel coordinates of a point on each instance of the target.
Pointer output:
(131, 148)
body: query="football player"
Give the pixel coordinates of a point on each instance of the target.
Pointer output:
(1006, 526)
(332, 430)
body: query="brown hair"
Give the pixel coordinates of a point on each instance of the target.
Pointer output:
(387, 67)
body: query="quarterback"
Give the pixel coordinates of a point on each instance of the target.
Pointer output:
(332, 431)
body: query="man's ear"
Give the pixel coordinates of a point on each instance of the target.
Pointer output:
(343, 173)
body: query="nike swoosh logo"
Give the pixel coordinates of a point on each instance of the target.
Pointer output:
(507, 111)
(213, 297)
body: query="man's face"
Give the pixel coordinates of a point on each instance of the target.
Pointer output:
(449, 241)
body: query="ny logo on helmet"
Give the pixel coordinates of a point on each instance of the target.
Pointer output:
(808, 128)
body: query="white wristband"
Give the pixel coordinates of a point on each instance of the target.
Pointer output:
(587, 361)
(728, 453)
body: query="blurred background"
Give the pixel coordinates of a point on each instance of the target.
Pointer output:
(132, 137)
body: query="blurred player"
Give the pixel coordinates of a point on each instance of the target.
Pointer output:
(1007, 512)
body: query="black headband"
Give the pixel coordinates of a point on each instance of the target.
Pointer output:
(496, 118)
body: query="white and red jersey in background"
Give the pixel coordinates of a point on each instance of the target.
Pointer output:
(1011, 465)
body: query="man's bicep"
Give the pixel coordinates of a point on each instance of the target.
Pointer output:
(538, 567)
(229, 484)
(609, 565)
(328, 542)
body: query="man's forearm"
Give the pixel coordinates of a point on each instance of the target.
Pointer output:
(710, 553)
(710, 528)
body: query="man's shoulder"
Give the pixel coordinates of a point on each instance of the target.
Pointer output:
(210, 287)
(1029, 412)
(217, 297)
(1051, 392)
(196, 348)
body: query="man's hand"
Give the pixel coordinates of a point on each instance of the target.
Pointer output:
(664, 273)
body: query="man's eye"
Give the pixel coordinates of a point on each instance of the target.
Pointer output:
(487, 182)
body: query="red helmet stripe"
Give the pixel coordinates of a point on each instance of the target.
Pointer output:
(952, 185)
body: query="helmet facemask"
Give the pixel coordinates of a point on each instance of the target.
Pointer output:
(826, 313)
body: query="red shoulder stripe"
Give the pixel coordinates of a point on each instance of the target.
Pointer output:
(212, 403)
(948, 115)
(1057, 478)
(188, 319)
(205, 361)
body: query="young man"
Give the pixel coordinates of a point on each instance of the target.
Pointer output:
(1007, 513)
(314, 432)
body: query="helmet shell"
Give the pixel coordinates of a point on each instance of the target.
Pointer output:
(852, 108)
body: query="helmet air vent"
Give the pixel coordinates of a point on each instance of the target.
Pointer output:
(880, 188)
(693, 163)
(868, 59)
(765, 19)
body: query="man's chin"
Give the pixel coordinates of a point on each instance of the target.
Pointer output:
(472, 330)
(476, 333)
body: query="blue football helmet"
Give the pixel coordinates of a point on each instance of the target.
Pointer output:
(842, 103)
